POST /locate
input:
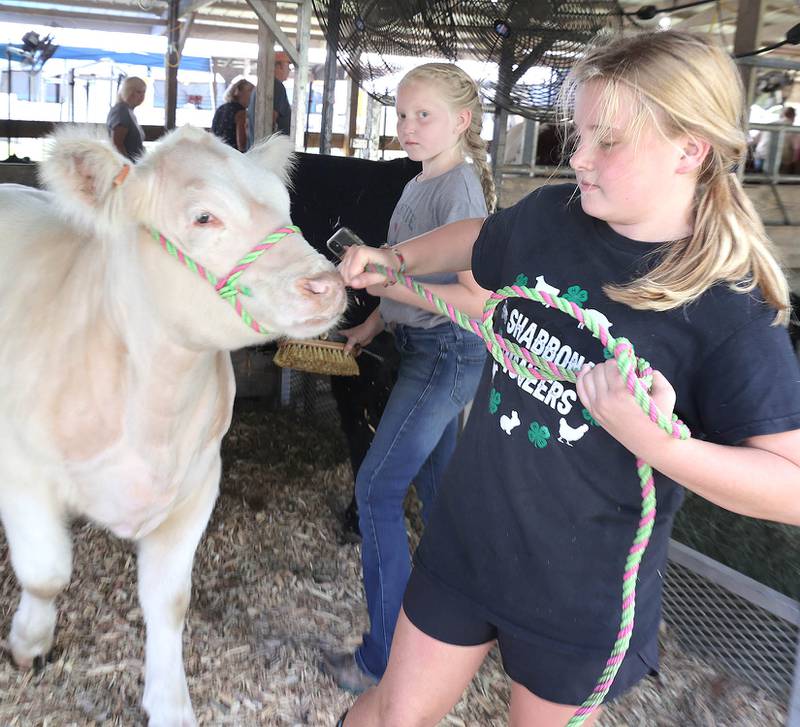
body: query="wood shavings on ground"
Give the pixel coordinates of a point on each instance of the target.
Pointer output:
(272, 585)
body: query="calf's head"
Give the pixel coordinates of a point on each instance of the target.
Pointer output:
(214, 206)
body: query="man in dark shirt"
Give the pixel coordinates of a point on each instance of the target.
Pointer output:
(281, 108)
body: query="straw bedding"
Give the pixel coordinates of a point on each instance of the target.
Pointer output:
(272, 584)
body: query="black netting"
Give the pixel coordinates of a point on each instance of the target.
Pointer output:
(533, 42)
(374, 35)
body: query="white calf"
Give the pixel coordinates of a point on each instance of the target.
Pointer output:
(117, 386)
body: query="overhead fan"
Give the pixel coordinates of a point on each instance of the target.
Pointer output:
(533, 42)
(32, 54)
(35, 51)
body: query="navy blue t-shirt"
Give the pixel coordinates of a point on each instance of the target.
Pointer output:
(223, 124)
(539, 506)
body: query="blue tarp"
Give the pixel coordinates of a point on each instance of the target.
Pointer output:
(188, 63)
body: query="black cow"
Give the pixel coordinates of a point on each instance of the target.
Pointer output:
(330, 192)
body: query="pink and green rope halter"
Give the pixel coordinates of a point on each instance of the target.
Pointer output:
(638, 376)
(228, 285)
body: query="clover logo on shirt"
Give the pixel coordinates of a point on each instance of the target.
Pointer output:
(577, 295)
(538, 434)
(589, 418)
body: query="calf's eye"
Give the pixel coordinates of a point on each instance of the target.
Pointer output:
(203, 218)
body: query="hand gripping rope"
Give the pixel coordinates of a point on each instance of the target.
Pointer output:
(227, 286)
(638, 376)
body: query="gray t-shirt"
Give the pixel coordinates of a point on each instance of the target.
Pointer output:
(122, 115)
(425, 205)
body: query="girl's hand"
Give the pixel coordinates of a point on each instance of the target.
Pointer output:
(362, 334)
(604, 393)
(357, 257)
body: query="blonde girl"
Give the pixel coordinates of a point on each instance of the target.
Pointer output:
(438, 124)
(528, 541)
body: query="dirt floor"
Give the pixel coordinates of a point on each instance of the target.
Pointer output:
(273, 585)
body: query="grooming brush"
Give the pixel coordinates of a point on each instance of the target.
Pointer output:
(321, 356)
(316, 357)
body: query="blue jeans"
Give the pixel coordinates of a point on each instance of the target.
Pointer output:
(439, 372)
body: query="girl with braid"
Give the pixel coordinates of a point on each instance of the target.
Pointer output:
(438, 124)
(656, 241)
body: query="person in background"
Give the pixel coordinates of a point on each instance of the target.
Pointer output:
(126, 134)
(230, 119)
(791, 144)
(438, 123)
(281, 108)
(765, 150)
(529, 539)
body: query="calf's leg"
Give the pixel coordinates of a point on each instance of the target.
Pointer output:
(165, 568)
(41, 555)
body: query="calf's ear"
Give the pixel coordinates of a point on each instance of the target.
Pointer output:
(275, 154)
(83, 169)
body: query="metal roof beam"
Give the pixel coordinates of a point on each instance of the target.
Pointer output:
(269, 20)
(185, 7)
(101, 18)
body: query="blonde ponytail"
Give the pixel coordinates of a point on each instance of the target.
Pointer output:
(475, 148)
(689, 86)
(461, 92)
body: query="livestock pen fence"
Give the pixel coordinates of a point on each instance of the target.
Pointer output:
(742, 626)
(739, 625)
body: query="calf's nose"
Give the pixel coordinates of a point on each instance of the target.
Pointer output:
(323, 284)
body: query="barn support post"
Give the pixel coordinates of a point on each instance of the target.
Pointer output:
(329, 92)
(213, 64)
(301, 91)
(530, 145)
(8, 96)
(71, 84)
(269, 32)
(502, 99)
(352, 118)
(373, 129)
(749, 22)
(265, 73)
(171, 62)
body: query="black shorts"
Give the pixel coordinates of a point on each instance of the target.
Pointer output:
(552, 670)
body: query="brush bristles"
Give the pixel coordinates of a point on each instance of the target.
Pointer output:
(316, 357)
